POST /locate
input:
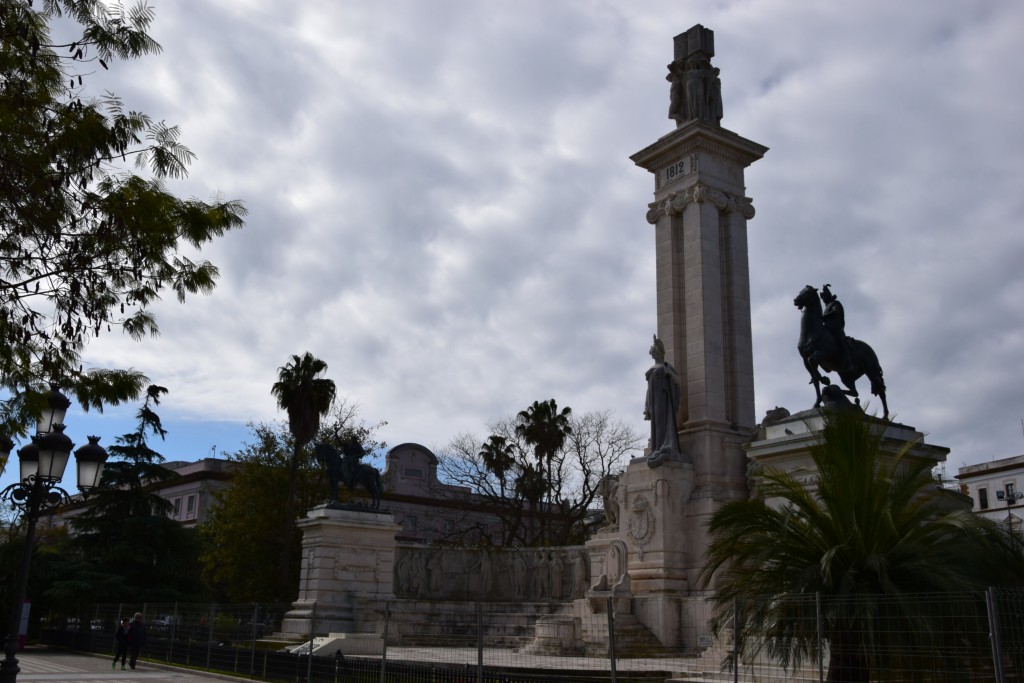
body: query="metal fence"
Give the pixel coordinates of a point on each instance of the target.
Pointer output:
(964, 637)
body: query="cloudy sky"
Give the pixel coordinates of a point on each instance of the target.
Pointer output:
(442, 205)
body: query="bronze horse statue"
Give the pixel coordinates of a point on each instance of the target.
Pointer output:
(349, 470)
(821, 349)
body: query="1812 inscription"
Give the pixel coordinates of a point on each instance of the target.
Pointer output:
(680, 168)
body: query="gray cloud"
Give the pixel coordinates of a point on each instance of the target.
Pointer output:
(443, 208)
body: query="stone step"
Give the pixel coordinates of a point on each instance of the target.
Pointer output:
(632, 639)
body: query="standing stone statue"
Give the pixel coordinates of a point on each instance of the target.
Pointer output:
(608, 488)
(663, 395)
(435, 573)
(519, 575)
(557, 573)
(579, 574)
(486, 573)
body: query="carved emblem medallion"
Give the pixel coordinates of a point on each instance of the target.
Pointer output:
(641, 520)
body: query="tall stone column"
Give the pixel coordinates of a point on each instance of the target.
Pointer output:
(700, 213)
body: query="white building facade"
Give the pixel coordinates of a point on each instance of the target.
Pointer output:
(996, 489)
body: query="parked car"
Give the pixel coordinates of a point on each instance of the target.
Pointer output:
(162, 623)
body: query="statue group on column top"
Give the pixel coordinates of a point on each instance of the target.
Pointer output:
(696, 91)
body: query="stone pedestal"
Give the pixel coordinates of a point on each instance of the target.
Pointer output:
(654, 527)
(785, 445)
(643, 563)
(653, 524)
(346, 554)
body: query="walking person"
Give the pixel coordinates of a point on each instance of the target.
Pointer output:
(136, 638)
(121, 641)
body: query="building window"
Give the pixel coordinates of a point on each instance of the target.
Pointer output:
(1011, 493)
(410, 522)
(190, 507)
(982, 499)
(449, 526)
(413, 473)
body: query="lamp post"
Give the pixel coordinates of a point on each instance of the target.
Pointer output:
(41, 467)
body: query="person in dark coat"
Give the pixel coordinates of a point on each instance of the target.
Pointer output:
(136, 638)
(121, 641)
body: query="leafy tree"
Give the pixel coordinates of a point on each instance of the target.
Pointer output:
(86, 244)
(871, 530)
(504, 471)
(545, 428)
(244, 524)
(306, 396)
(125, 544)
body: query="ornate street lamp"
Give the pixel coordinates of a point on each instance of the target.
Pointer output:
(41, 467)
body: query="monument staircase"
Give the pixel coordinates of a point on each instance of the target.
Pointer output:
(280, 640)
(632, 639)
(577, 629)
(714, 664)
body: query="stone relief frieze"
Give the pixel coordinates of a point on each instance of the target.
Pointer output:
(536, 574)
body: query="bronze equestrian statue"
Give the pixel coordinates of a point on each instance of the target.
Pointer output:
(824, 344)
(349, 470)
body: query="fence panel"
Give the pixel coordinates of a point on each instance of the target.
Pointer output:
(934, 638)
(1008, 606)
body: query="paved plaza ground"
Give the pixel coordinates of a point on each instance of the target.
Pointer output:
(61, 666)
(58, 666)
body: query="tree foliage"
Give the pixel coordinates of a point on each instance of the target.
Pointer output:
(244, 526)
(872, 530)
(243, 529)
(86, 243)
(125, 544)
(561, 489)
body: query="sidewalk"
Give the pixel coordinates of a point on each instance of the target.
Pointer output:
(58, 666)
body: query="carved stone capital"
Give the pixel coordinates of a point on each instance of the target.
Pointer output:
(675, 202)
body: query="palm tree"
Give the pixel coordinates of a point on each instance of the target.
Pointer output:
(530, 484)
(498, 456)
(306, 396)
(546, 429)
(873, 529)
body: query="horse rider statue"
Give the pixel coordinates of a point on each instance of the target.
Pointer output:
(349, 470)
(823, 344)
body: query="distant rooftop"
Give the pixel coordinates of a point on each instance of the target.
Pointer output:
(992, 466)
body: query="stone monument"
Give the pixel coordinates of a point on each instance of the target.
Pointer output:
(699, 213)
